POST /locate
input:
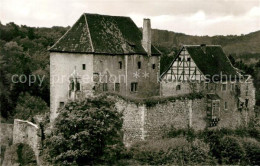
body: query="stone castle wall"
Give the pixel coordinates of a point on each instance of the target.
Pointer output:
(27, 133)
(142, 122)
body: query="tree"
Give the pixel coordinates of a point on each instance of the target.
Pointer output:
(28, 106)
(85, 132)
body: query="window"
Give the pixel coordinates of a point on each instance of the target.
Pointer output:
(179, 59)
(178, 87)
(225, 105)
(72, 85)
(139, 65)
(120, 64)
(134, 87)
(78, 86)
(188, 59)
(224, 87)
(117, 87)
(83, 66)
(105, 88)
(62, 104)
(246, 102)
(153, 66)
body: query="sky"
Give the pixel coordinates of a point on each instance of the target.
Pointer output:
(193, 17)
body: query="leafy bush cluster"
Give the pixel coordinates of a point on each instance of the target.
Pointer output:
(187, 147)
(172, 151)
(85, 132)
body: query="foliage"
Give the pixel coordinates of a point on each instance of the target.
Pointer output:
(23, 51)
(28, 106)
(25, 155)
(86, 132)
(252, 149)
(172, 151)
(231, 150)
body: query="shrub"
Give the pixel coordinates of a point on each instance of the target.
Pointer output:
(29, 106)
(231, 151)
(25, 155)
(85, 132)
(252, 149)
(172, 151)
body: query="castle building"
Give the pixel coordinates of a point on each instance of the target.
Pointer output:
(103, 53)
(206, 68)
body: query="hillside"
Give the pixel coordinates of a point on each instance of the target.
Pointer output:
(245, 46)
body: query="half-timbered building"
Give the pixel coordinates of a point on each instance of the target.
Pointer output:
(206, 69)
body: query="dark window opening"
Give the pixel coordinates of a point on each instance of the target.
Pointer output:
(105, 88)
(179, 59)
(62, 104)
(78, 86)
(225, 105)
(72, 85)
(133, 87)
(178, 87)
(139, 65)
(153, 66)
(120, 64)
(188, 59)
(83, 66)
(246, 102)
(117, 87)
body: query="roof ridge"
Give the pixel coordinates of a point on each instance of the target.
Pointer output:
(105, 15)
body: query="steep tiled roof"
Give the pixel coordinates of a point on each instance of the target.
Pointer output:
(102, 34)
(211, 61)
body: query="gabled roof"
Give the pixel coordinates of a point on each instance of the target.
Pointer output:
(211, 61)
(102, 34)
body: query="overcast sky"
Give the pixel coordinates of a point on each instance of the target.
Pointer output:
(194, 17)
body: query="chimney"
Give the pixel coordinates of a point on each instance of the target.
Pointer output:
(147, 34)
(203, 47)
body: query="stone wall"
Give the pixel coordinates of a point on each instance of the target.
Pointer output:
(27, 133)
(142, 122)
(6, 134)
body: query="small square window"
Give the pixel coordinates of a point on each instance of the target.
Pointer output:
(139, 65)
(117, 87)
(178, 87)
(153, 66)
(83, 66)
(134, 87)
(62, 104)
(188, 59)
(120, 64)
(179, 59)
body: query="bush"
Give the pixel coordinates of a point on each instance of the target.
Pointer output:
(172, 151)
(25, 155)
(231, 150)
(28, 106)
(252, 149)
(85, 132)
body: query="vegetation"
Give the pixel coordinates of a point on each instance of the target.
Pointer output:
(28, 106)
(23, 52)
(86, 132)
